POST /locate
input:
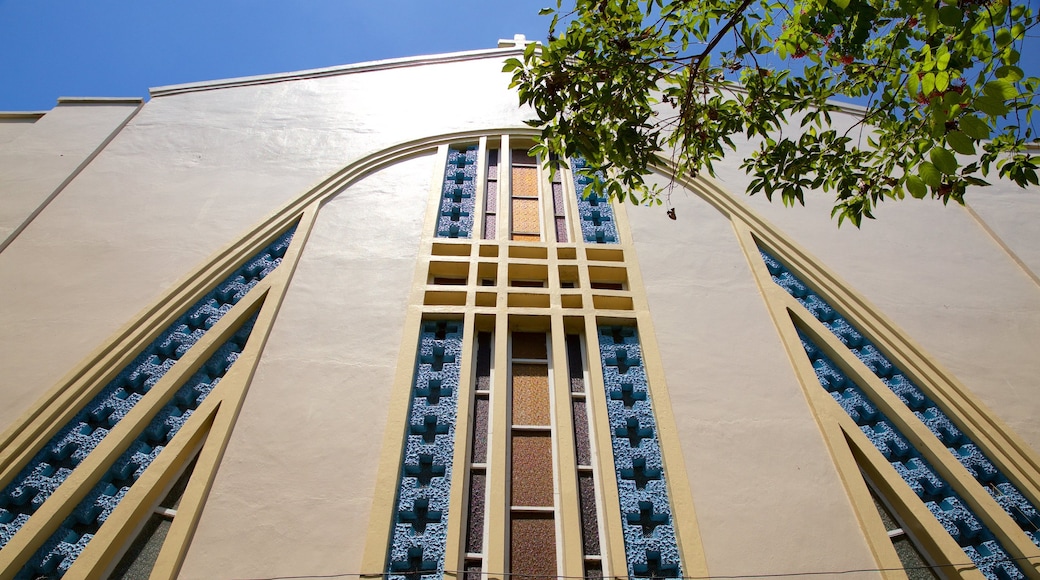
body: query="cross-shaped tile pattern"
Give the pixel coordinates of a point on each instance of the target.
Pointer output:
(458, 193)
(637, 456)
(420, 515)
(424, 489)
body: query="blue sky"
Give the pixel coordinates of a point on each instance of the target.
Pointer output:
(120, 48)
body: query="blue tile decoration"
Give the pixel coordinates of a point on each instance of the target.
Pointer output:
(1010, 498)
(595, 215)
(82, 434)
(420, 533)
(650, 544)
(458, 192)
(959, 521)
(985, 472)
(65, 545)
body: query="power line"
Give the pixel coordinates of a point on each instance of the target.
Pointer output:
(463, 573)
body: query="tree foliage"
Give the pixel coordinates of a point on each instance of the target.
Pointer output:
(621, 82)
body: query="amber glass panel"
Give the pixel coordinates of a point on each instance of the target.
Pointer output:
(532, 547)
(532, 483)
(530, 394)
(525, 216)
(529, 345)
(526, 238)
(525, 182)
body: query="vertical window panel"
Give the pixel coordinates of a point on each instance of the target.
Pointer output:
(574, 364)
(533, 546)
(529, 345)
(532, 478)
(589, 520)
(530, 394)
(581, 432)
(491, 196)
(525, 217)
(475, 522)
(480, 428)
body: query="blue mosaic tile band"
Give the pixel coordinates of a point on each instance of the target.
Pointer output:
(455, 218)
(650, 544)
(420, 533)
(66, 544)
(1010, 498)
(70, 446)
(955, 516)
(594, 212)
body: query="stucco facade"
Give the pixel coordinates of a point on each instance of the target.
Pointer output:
(321, 197)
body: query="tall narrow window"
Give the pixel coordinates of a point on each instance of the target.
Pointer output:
(526, 219)
(559, 213)
(491, 197)
(476, 507)
(587, 503)
(532, 527)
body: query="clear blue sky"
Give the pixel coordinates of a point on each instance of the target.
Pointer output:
(120, 48)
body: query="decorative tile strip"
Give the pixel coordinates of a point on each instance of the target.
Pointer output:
(955, 516)
(650, 544)
(1010, 498)
(70, 446)
(420, 533)
(594, 212)
(458, 192)
(66, 544)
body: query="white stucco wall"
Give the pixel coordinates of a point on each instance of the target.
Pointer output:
(767, 494)
(293, 493)
(190, 174)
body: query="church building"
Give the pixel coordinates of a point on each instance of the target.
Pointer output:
(339, 323)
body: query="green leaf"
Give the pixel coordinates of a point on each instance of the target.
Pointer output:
(942, 81)
(993, 107)
(950, 15)
(1000, 89)
(974, 127)
(1011, 74)
(928, 84)
(545, 11)
(843, 4)
(929, 174)
(961, 143)
(943, 160)
(915, 185)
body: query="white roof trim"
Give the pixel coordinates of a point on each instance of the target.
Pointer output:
(333, 71)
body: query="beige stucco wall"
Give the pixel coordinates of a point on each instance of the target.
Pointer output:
(293, 493)
(40, 160)
(190, 174)
(944, 280)
(767, 494)
(14, 127)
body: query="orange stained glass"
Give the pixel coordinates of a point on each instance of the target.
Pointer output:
(530, 394)
(532, 546)
(526, 238)
(525, 217)
(532, 480)
(525, 182)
